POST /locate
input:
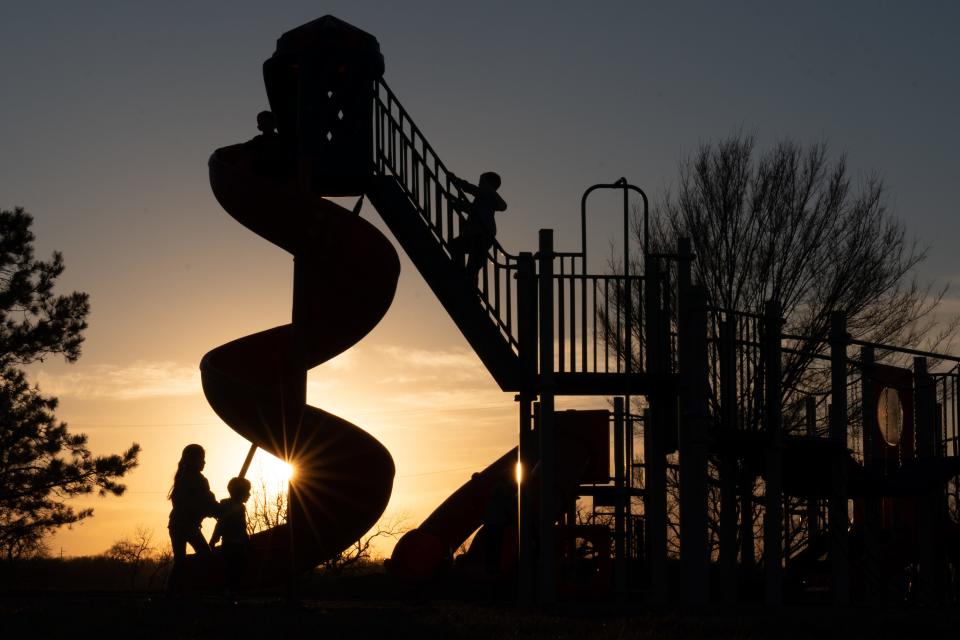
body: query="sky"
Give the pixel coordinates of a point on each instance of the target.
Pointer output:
(111, 109)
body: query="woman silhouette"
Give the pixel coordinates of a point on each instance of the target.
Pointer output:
(192, 502)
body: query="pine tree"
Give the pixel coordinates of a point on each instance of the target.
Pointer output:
(42, 464)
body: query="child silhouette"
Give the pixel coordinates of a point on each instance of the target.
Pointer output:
(480, 230)
(270, 158)
(232, 529)
(192, 502)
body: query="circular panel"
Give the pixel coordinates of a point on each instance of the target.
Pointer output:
(890, 416)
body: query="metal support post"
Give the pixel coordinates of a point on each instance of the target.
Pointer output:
(839, 518)
(925, 394)
(694, 554)
(619, 546)
(527, 348)
(630, 466)
(247, 461)
(526, 505)
(654, 455)
(813, 505)
(872, 506)
(547, 582)
(773, 494)
(728, 463)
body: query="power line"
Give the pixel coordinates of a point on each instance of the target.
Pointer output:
(95, 425)
(361, 418)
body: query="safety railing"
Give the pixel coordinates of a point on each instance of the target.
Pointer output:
(590, 318)
(402, 151)
(735, 342)
(590, 325)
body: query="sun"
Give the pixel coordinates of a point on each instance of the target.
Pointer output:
(270, 470)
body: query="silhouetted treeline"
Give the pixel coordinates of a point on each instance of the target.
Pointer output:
(84, 573)
(106, 573)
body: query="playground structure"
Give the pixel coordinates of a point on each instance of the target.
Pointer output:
(707, 481)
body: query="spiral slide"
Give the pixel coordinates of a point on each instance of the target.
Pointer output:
(345, 277)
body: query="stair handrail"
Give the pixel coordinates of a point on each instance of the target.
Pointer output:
(402, 151)
(450, 187)
(415, 157)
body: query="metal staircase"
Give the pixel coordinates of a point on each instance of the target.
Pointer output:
(413, 193)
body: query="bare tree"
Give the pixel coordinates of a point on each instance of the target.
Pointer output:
(133, 551)
(789, 224)
(268, 509)
(391, 526)
(162, 562)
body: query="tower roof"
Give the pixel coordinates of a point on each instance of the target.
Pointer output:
(326, 35)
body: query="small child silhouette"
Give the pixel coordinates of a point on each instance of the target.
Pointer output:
(480, 230)
(232, 529)
(269, 156)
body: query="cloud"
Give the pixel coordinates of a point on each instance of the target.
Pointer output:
(421, 365)
(318, 387)
(402, 379)
(123, 382)
(346, 361)
(446, 358)
(465, 399)
(144, 379)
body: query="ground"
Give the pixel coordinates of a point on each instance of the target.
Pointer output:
(413, 614)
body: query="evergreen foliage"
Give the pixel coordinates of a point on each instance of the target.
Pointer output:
(42, 464)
